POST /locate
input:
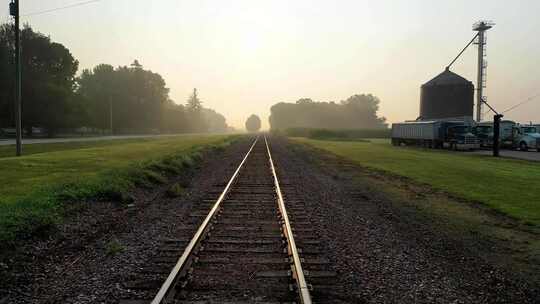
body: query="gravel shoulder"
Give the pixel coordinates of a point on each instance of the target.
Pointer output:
(104, 243)
(390, 241)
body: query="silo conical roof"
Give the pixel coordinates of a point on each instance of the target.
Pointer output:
(447, 78)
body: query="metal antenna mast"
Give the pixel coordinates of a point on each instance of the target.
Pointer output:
(481, 27)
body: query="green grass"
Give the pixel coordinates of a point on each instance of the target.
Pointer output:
(509, 186)
(8, 151)
(34, 188)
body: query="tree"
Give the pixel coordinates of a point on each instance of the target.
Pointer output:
(194, 108)
(7, 73)
(357, 112)
(54, 98)
(215, 122)
(49, 79)
(253, 123)
(136, 96)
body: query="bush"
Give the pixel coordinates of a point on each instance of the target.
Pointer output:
(335, 134)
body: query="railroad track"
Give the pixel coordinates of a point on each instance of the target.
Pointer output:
(253, 245)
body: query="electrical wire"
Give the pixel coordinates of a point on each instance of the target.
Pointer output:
(522, 103)
(59, 8)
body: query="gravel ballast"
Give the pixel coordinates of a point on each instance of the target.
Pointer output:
(382, 253)
(385, 254)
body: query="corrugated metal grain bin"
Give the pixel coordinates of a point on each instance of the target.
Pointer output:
(446, 95)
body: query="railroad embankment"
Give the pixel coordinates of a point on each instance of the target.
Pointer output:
(39, 188)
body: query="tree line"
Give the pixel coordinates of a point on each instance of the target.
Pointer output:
(356, 112)
(125, 99)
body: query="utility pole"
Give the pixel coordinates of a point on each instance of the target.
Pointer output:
(14, 11)
(110, 115)
(496, 133)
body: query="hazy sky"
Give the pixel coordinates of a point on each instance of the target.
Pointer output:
(244, 56)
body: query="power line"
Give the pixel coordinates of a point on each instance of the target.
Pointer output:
(59, 8)
(522, 103)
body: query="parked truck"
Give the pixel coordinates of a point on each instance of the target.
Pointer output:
(455, 135)
(526, 137)
(484, 132)
(512, 135)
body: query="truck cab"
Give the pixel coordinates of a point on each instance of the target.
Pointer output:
(460, 137)
(526, 137)
(484, 133)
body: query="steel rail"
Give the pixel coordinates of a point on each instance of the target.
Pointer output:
(163, 292)
(303, 288)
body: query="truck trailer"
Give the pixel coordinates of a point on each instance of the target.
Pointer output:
(455, 135)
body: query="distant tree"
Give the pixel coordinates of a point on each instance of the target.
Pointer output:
(137, 97)
(195, 116)
(55, 99)
(215, 122)
(357, 112)
(173, 118)
(253, 123)
(194, 104)
(7, 73)
(49, 79)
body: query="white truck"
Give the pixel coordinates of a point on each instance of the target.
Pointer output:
(526, 137)
(512, 136)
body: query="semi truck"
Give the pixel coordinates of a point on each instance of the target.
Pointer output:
(455, 135)
(526, 137)
(512, 135)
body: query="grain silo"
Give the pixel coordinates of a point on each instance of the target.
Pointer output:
(448, 95)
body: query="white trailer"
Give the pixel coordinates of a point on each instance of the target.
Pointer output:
(435, 134)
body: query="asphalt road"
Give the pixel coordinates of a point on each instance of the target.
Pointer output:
(6, 142)
(531, 155)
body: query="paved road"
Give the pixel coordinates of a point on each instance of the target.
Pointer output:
(531, 155)
(4, 142)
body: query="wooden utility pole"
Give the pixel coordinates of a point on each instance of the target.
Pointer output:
(14, 11)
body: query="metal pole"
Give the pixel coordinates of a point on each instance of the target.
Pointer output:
(480, 79)
(496, 133)
(14, 11)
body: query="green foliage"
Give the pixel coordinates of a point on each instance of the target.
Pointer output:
(114, 247)
(357, 112)
(175, 190)
(35, 188)
(508, 186)
(327, 134)
(253, 123)
(54, 99)
(47, 86)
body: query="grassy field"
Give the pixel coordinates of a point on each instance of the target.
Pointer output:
(7, 151)
(33, 187)
(509, 186)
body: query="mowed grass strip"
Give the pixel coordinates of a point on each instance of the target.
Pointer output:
(33, 187)
(509, 186)
(29, 149)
